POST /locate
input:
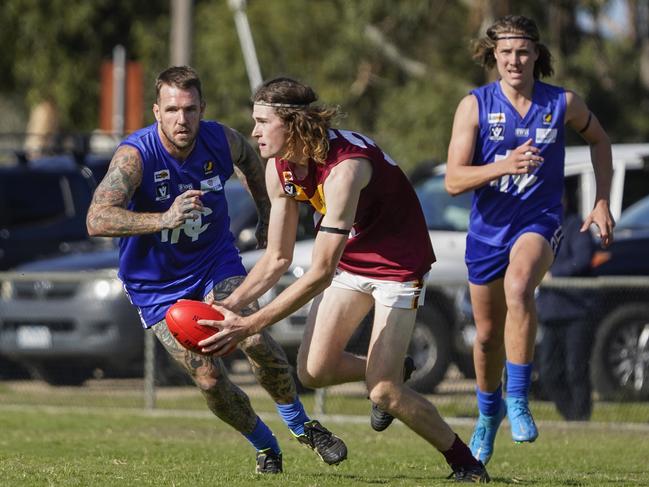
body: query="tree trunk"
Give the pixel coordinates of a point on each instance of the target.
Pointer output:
(42, 127)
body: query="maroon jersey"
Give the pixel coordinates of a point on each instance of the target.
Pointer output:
(389, 239)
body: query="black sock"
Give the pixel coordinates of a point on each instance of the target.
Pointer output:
(459, 455)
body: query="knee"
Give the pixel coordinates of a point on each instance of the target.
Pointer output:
(519, 292)
(207, 382)
(384, 394)
(489, 339)
(208, 375)
(313, 377)
(310, 375)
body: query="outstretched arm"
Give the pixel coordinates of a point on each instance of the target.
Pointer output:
(250, 171)
(582, 120)
(342, 191)
(461, 175)
(107, 214)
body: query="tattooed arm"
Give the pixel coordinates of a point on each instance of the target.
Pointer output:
(108, 216)
(251, 173)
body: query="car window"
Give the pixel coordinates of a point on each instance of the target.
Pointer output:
(635, 216)
(636, 184)
(35, 197)
(441, 210)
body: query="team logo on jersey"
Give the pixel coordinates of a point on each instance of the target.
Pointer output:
(547, 118)
(522, 132)
(211, 184)
(498, 117)
(546, 136)
(160, 176)
(496, 132)
(162, 192)
(182, 187)
(287, 175)
(208, 167)
(290, 189)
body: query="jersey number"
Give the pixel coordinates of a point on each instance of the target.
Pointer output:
(363, 141)
(191, 228)
(519, 181)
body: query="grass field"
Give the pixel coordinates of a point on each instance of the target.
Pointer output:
(96, 444)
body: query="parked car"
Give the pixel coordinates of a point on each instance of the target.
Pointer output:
(620, 355)
(66, 317)
(43, 205)
(444, 331)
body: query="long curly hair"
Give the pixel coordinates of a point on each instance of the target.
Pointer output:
(306, 123)
(483, 48)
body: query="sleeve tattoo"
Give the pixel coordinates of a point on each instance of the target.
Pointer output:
(107, 214)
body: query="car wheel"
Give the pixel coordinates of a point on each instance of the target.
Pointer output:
(620, 360)
(61, 375)
(430, 347)
(10, 370)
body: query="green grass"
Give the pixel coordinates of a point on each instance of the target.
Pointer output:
(42, 446)
(460, 405)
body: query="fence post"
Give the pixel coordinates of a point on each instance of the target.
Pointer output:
(320, 399)
(149, 369)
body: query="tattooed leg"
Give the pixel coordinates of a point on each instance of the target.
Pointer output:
(225, 399)
(267, 359)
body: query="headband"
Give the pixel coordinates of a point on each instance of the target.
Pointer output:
(505, 37)
(282, 105)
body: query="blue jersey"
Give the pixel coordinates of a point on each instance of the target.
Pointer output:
(505, 206)
(161, 267)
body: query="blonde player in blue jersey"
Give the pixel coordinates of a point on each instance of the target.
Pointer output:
(507, 146)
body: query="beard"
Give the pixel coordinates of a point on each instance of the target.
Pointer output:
(178, 144)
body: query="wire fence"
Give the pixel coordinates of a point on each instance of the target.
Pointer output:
(72, 339)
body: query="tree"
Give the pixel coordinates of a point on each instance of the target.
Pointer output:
(55, 49)
(398, 69)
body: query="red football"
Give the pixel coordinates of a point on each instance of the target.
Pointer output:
(182, 318)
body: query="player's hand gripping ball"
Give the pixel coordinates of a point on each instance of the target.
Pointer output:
(182, 321)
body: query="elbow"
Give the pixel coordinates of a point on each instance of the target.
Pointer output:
(92, 229)
(278, 264)
(94, 224)
(282, 265)
(322, 278)
(451, 188)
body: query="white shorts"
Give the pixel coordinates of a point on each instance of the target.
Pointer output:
(392, 294)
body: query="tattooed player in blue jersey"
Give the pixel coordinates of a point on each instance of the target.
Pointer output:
(163, 195)
(507, 146)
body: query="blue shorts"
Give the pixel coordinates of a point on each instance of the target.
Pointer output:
(486, 262)
(157, 303)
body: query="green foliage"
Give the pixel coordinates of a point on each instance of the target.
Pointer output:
(397, 69)
(59, 46)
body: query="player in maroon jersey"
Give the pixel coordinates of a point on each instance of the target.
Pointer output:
(372, 249)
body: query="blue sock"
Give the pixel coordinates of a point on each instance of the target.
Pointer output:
(262, 437)
(489, 402)
(519, 378)
(294, 416)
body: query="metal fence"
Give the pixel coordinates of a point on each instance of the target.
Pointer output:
(617, 351)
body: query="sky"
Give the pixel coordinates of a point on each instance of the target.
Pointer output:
(616, 19)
